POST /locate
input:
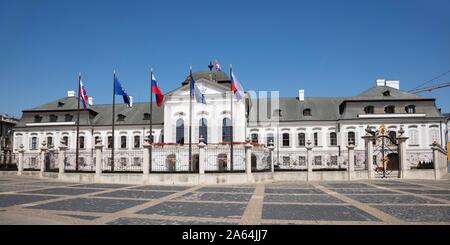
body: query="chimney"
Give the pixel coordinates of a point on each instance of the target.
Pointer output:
(301, 95)
(381, 82)
(91, 101)
(393, 84)
(70, 93)
(131, 101)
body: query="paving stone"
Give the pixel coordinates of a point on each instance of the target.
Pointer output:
(215, 210)
(427, 191)
(63, 191)
(136, 194)
(315, 212)
(385, 199)
(7, 200)
(207, 196)
(160, 188)
(102, 186)
(83, 217)
(293, 191)
(347, 185)
(301, 198)
(142, 221)
(418, 213)
(226, 189)
(8, 188)
(363, 191)
(90, 205)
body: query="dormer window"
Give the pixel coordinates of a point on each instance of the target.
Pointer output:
(37, 119)
(147, 116)
(410, 109)
(307, 112)
(390, 109)
(387, 93)
(369, 109)
(53, 118)
(68, 118)
(121, 117)
(61, 104)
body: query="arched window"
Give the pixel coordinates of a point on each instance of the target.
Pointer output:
(137, 141)
(66, 140)
(307, 112)
(270, 139)
(203, 130)
(180, 131)
(34, 143)
(123, 141)
(254, 137)
(410, 109)
(413, 137)
(390, 109)
(286, 140)
(301, 139)
(333, 139)
(393, 136)
(316, 139)
(226, 130)
(351, 138)
(49, 141)
(110, 142)
(434, 136)
(81, 142)
(369, 109)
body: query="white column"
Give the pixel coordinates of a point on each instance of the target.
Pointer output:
(369, 155)
(248, 157)
(351, 161)
(42, 159)
(271, 148)
(201, 157)
(435, 149)
(61, 158)
(20, 160)
(401, 139)
(98, 157)
(309, 159)
(146, 159)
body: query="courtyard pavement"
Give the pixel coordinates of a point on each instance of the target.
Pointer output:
(36, 201)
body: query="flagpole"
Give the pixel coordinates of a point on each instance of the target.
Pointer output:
(232, 121)
(78, 123)
(113, 121)
(190, 118)
(151, 116)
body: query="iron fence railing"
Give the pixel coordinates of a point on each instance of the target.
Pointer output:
(124, 161)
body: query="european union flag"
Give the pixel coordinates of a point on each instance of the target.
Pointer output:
(199, 97)
(118, 90)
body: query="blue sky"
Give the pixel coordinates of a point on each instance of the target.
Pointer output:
(329, 48)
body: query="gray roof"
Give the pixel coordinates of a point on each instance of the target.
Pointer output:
(376, 93)
(322, 109)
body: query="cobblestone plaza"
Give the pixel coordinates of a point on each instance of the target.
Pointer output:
(38, 201)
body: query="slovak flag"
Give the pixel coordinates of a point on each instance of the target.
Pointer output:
(237, 87)
(83, 95)
(157, 91)
(217, 65)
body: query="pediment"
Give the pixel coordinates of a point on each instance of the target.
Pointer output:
(207, 87)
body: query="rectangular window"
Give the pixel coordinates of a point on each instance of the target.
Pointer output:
(49, 141)
(81, 142)
(286, 160)
(110, 142)
(334, 160)
(34, 143)
(123, 141)
(333, 139)
(302, 160)
(286, 139)
(316, 139)
(301, 139)
(137, 141)
(318, 160)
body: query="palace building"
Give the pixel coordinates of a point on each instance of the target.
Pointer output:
(289, 125)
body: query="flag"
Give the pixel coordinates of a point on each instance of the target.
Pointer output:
(199, 97)
(118, 90)
(237, 87)
(155, 89)
(83, 95)
(216, 64)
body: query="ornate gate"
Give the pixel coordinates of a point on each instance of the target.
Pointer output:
(385, 154)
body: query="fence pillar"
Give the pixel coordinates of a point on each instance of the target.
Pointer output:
(436, 162)
(248, 157)
(401, 139)
(309, 160)
(271, 148)
(20, 160)
(62, 158)
(369, 155)
(98, 157)
(351, 161)
(146, 157)
(43, 152)
(201, 156)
